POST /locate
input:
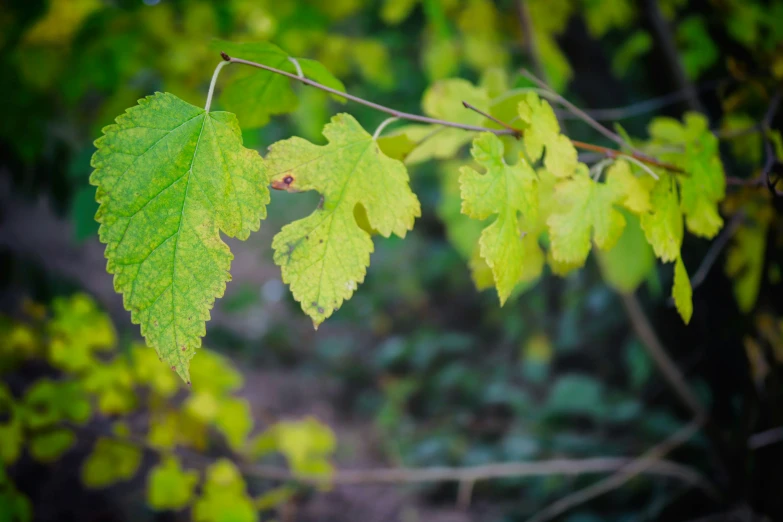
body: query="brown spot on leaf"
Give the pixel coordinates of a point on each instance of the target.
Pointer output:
(320, 310)
(284, 184)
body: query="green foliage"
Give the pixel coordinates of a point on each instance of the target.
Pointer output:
(324, 256)
(255, 94)
(170, 177)
(52, 413)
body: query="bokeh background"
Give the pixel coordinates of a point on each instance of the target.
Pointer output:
(419, 368)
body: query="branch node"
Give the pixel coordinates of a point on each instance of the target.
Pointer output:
(225, 56)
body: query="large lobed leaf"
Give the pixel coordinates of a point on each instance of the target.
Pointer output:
(324, 257)
(509, 191)
(170, 178)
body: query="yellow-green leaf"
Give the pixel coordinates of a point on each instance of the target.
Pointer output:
(224, 498)
(682, 292)
(324, 257)
(49, 446)
(507, 191)
(583, 209)
(170, 178)
(235, 420)
(635, 192)
(169, 486)
(543, 132)
(663, 224)
(111, 461)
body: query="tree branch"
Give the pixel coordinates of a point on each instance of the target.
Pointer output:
(637, 466)
(668, 368)
(508, 130)
(381, 108)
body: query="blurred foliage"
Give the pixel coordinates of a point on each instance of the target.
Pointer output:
(109, 394)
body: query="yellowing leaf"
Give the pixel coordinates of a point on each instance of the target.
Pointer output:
(169, 487)
(543, 132)
(663, 225)
(255, 94)
(78, 329)
(635, 192)
(170, 178)
(682, 292)
(324, 256)
(111, 461)
(507, 191)
(583, 209)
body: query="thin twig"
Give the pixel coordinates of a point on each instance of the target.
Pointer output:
(580, 113)
(613, 482)
(376, 106)
(665, 41)
(507, 131)
(517, 132)
(570, 467)
(668, 368)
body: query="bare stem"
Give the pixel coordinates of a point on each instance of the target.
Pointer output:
(212, 85)
(517, 132)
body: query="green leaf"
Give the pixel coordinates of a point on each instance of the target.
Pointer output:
(630, 261)
(745, 257)
(682, 292)
(443, 100)
(224, 498)
(50, 445)
(697, 49)
(543, 132)
(395, 11)
(170, 178)
(663, 226)
(169, 487)
(505, 190)
(324, 257)
(584, 209)
(11, 435)
(48, 402)
(255, 94)
(111, 461)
